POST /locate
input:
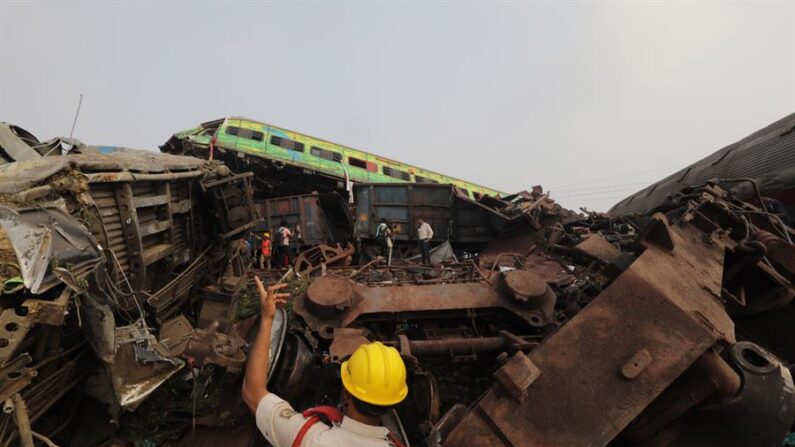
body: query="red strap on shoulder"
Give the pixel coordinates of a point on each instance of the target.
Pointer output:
(395, 440)
(315, 415)
(331, 414)
(304, 428)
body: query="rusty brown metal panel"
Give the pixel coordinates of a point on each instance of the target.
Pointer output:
(665, 304)
(303, 210)
(597, 247)
(343, 306)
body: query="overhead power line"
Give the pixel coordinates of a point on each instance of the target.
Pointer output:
(567, 185)
(597, 187)
(625, 189)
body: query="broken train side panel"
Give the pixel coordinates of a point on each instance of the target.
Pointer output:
(98, 249)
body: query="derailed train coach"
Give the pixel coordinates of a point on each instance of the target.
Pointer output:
(761, 164)
(103, 254)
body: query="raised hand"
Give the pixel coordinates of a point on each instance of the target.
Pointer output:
(268, 298)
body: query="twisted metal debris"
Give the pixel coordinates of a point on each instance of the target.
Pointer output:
(127, 310)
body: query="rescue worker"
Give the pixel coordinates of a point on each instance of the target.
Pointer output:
(283, 252)
(384, 235)
(265, 251)
(373, 379)
(424, 235)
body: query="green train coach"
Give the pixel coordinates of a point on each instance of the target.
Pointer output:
(310, 154)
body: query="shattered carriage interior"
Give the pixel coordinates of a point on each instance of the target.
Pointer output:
(128, 307)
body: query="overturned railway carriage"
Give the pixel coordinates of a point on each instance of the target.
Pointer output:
(100, 250)
(761, 163)
(288, 162)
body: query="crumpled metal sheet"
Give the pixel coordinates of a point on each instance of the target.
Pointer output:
(32, 244)
(13, 146)
(99, 327)
(137, 370)
(37, 246)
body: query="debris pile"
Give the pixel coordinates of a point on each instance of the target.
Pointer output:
(128, 308)
(104, 253)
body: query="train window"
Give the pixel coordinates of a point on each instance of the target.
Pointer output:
(419, 179)
(287, 143)
(357, 163)
(325, 153)
(250, 134)
(394, 173)
(232, 130)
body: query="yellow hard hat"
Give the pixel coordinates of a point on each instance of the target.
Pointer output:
(375, 374)
(266, 234)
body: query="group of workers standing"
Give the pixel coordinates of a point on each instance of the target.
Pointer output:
(385, 235)
(273, 251)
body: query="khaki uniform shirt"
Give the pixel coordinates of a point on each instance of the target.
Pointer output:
(280, 424)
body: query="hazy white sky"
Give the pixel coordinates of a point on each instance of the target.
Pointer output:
(592, 100)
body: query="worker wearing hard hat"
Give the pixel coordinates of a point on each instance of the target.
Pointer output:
(265, 251)
(374, 381)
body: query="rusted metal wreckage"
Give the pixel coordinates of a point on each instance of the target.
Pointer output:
(125, 320)
(100, 249)
(577, 341)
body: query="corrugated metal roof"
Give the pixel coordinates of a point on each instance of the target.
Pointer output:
(766, 156)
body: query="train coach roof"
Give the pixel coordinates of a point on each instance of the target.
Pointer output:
(766, 156)
(18, 176)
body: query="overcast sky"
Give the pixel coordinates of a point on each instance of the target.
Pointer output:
(591, 100)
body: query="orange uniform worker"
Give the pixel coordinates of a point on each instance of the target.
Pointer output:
(265, 253)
